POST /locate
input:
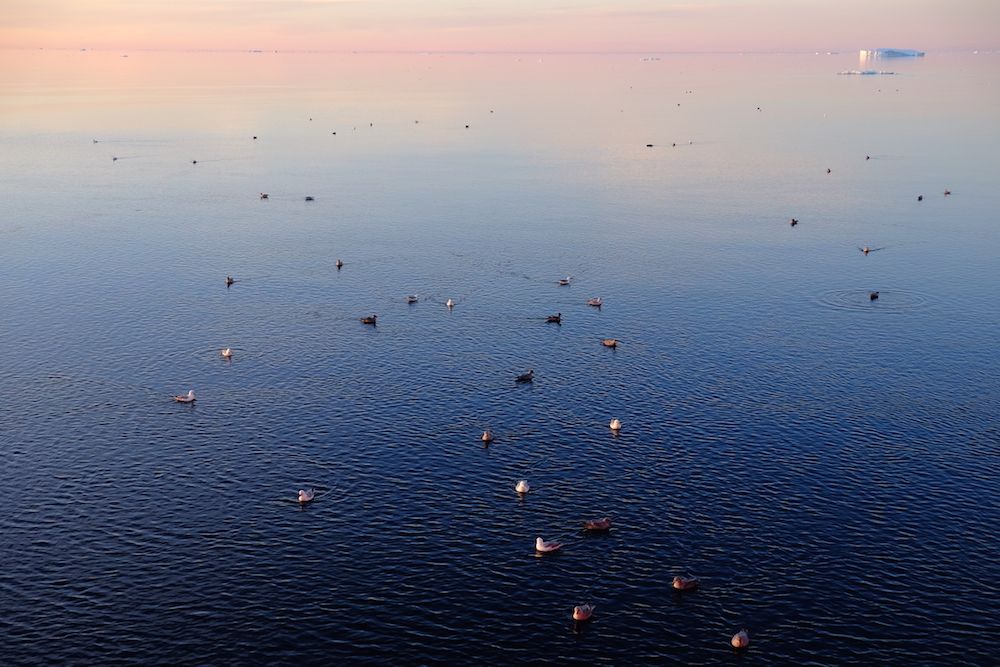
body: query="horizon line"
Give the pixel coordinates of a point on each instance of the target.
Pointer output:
(255, 50)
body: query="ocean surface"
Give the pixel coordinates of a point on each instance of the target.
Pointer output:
(826, 464)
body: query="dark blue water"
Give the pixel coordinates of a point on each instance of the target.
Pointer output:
(826, 464)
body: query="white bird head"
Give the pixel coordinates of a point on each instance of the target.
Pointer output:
(450, 303)
(191, 394)
(615, 425)
(522, 487)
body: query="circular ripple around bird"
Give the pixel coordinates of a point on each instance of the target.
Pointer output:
(889, 301)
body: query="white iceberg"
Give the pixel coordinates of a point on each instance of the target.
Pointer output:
(867, 72)
(891, 53)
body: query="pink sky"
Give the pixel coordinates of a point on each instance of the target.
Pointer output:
(512, 25)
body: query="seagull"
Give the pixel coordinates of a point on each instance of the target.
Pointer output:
(263, 195)
(597, 525)
(310, 198)
(867, 250)
(369, 320)
(793, 222)
(522, 486)
(564, 281)
(229, 281)
(554, 319)
(412, 298)
(595, 302)
(615, 425)
(450, 303)
(685, 583)
(741, 639)
(526, 377)
(227, 353)
(543, 547)
(873, 296)
(920, 197)
(487, 436)
(339, 264)
(610, 342)
(186, 398)
(306, 496)
(583, 612)
(947, 192)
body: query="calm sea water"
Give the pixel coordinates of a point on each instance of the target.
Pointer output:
(827, 464)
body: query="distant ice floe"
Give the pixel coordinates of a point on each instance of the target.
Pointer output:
(867, 72)
(891, 53)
